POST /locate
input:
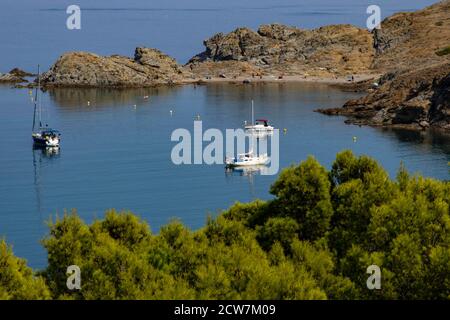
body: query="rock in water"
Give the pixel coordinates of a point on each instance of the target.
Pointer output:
(81, 69)
(20, 73)
(14, 76)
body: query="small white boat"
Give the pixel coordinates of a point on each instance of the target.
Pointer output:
(259, 126)
(247, 159)
(43, 136)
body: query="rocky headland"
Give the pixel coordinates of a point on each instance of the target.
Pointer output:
(418, 98)
(404, 65)
(413, 52)
(148, 67)
(285, 51)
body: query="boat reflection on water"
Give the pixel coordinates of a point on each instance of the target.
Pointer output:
(41, 157)
(46, 152)
(246, 171)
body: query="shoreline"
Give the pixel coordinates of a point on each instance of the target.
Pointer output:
(338, 80)
(358, 78)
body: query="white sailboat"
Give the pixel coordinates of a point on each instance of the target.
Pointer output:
(43, 136)
(247, 159)
(260, 126)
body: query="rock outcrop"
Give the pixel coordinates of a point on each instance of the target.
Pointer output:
(149, 67)
(408, 40)
(413, 99)
(14, 76)
(281, 50)
(411, 51)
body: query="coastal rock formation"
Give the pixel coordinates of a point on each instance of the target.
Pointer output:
(413, 52)
(408, 40)
(281, 50)
(414, 99)
(81, 69)
(14, 76)
(406, 95)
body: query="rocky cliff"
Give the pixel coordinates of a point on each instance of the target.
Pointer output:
(409, 40)
(413, 99)
(148, 67)
(282, 50)
(413, 50)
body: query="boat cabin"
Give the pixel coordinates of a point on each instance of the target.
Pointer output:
(263, 122)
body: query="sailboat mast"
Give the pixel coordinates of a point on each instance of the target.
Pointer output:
(40, 95)
(35, 101)
(253, 120)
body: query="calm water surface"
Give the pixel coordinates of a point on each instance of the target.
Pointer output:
(114, 155)
(33, 32)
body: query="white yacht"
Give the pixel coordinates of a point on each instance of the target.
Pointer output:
(43, 136)
(259, 126)
(247, 159)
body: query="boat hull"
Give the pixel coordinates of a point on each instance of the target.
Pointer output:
(40, 141)
(256, 162)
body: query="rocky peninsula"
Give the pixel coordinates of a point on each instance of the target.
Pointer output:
(148, 67)
(404, 65)
(413, 52)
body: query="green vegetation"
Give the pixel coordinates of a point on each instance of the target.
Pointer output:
(315, 240)
(443, 52)
(17, 280)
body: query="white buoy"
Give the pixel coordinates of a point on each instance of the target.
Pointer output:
(88, 103)
(171, 112)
